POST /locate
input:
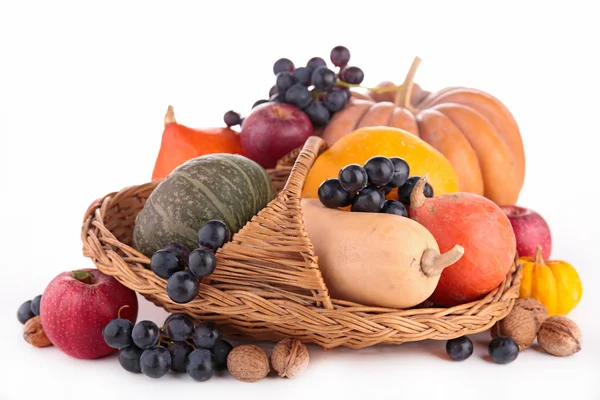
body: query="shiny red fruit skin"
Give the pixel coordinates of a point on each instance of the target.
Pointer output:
(74, 313)
(484, 231)
(531, 231)
(272, 130)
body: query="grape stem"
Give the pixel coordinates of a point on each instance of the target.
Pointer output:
(372, 89)
(163, 338)
(119, 312)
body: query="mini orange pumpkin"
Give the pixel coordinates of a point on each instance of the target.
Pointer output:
(555, 283)
(471, 128)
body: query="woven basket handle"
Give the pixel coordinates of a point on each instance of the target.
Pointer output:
(307, 156)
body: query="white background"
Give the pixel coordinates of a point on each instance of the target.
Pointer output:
(83, 90)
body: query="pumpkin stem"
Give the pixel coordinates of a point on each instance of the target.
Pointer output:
(433, 263)
(407, 87)
(417, 196)
(170, 116)
(538, 255)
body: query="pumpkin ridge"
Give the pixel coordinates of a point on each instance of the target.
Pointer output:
(498, 115)
(474, 108)
(223, 209)
(251, 187)
(374, 114)
(397, 121)
(184, 231)
(439, 131)
(239, 202)
(391, 118)
(497, 163)
(345, 121)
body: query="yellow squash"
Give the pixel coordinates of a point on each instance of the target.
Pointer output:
(556, 284)
(357, 147)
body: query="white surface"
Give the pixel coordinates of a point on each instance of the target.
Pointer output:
(83, 91)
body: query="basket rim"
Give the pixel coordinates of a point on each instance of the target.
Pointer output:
(126, 264)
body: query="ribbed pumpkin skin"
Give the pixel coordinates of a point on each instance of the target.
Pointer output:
(471, 128)
(228, 187)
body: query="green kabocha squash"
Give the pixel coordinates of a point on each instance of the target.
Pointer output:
(227, 187)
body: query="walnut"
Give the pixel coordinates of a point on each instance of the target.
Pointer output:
(34, 334)
(248, 363)
(289, 358)
(536, 307)
(519, 325)
(560, 336)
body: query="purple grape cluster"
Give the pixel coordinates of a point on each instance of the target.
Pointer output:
(315, 88)
(184, 268)
(181, 345)
(364, 187)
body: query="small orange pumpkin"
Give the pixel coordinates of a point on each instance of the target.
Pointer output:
(471, 128)
(556, 284)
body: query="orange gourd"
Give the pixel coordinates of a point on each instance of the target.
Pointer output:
(480, 227)
(180, 144)
(471, 128)
(364, 143)
(555, 283)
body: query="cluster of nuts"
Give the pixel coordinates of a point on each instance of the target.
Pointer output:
(249, 363)
(529, 320)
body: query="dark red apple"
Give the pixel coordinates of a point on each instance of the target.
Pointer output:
(531, 231)
(76, 307)
(272, 130)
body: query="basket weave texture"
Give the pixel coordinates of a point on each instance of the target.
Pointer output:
(267, 284)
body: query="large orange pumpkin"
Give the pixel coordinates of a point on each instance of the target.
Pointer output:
(471, 128)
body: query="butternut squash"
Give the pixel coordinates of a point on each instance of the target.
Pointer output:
(378, 260)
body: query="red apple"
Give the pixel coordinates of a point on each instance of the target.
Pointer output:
(76, 307)
(530, 230)
(272, 130)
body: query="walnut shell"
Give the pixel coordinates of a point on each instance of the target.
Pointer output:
(560, 336)
(520, 325)
(289, 358)
(540, 313)
(34, 334)
(248, 363)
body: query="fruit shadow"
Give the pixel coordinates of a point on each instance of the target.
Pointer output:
(432, 348)
(319, 354)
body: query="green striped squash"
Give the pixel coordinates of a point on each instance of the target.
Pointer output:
(227, 187)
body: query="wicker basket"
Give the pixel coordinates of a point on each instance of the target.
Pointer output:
(267, 284)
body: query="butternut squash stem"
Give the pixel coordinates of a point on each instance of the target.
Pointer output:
(539, 259)
(405, 102)
(169, 116)
(433, 263)
(417, 196)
